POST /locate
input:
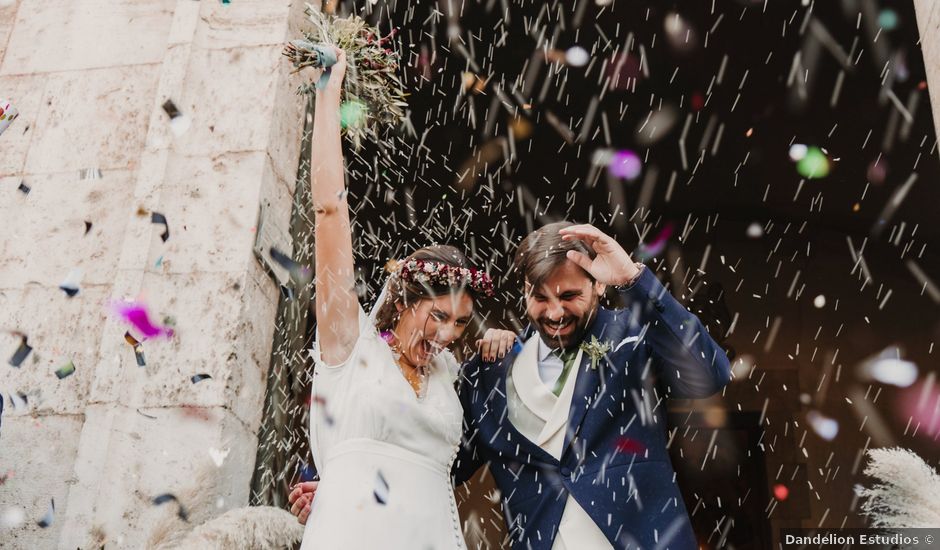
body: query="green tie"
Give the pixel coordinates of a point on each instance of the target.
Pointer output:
(567, 357)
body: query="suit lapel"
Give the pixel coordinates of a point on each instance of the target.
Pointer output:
(501, 406)
(587, 382)
(524, 372)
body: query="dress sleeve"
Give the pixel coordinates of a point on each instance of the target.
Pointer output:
(366, 331)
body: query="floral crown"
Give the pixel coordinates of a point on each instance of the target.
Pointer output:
(439, 273)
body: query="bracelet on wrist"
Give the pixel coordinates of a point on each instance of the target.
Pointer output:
(636, 277)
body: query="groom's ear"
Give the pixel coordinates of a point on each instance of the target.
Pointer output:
(600, 289)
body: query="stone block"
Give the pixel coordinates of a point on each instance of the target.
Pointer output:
(126, 457)
(37, 454)
(243, 23)
(224, 325)
(46, 232)
(211, 205)
(59, 329)
(93, 119)
(26, 94)
(7, 18)
(287, 125)
(70, 35)
(229, 95)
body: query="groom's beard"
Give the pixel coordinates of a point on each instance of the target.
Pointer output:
(573, 337)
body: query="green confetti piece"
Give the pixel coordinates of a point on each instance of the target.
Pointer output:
(352, 114)
(65, 370)
(814, 165)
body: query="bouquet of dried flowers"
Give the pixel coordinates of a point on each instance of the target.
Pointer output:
(373, 95)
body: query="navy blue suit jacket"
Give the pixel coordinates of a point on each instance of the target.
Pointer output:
(614, 460)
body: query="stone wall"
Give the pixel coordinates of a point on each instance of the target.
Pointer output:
(89, 78)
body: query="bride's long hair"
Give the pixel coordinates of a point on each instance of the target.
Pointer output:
(408, 293)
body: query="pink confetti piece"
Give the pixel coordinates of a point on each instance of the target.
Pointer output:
(135, 314)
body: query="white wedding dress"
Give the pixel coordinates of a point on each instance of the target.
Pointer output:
(383, 454)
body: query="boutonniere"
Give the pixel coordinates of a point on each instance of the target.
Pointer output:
(596, 350)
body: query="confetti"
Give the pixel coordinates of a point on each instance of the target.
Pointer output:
(679, 33)
(755, 230)
(65, 370)
(89, 174)
(896, 372)
(781, 492)
(145, 415)
(138, 349)
(19, 400)
(825, 427)
(798, 152)
(135, 314)
(742, 367)
(576, 56)
(877, 171)
(46, 520)
(381, 488)
(321, 401)
(8, 114)
(298, 272)
(179, 123)
(626, 165)
(920, 408)
(649, 251)
(814, 164)
(70, 284)
(622, 70)
(158, 218)
(307, 472)
(888, 19)
(218, 456)
(12, 517)
(656, 125)
(21, 352)
(630, 446)
(200, 377)
(25, 189)
(168, 497)
(353, 114)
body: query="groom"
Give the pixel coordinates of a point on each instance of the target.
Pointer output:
(570, 422)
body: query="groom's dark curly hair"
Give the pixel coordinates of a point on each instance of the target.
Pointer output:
(543, 251)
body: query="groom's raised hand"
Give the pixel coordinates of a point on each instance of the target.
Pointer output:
(611, 266)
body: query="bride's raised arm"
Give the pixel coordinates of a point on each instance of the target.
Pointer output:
(336, 303)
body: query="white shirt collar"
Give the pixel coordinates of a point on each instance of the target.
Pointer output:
(544, 350)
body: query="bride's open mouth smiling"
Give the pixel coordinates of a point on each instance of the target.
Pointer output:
(430, 348)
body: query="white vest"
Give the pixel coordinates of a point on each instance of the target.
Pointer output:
(543, 418)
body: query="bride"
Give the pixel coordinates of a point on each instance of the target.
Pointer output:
(385, 418)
